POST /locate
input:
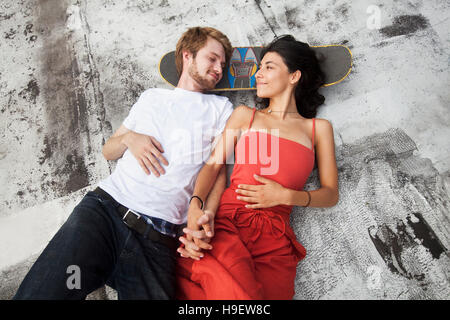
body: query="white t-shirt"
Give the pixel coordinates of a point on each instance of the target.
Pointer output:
(185, 123)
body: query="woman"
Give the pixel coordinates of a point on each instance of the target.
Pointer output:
(254, 251)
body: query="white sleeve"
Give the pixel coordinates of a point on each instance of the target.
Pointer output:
(133, 115)
(226, 113)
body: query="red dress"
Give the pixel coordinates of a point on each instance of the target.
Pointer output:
(255, 252)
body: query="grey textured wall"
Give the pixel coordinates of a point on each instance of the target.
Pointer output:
(71, 70)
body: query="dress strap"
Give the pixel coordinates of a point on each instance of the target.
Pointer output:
(313, 130)
(251, 121)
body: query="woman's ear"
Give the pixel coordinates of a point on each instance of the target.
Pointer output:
(295, 76)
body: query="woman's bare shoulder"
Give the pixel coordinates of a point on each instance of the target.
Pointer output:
(243, 109)
(241, 115)
(323, 124)
(324, 128)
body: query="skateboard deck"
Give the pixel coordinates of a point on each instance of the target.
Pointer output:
(239, 74)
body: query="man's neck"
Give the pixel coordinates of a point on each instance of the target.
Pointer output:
(187, 83)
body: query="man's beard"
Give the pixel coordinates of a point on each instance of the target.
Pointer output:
(204, 82)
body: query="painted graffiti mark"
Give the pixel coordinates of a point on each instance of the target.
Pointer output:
(426, 235)
(406, 24)
(390, 244)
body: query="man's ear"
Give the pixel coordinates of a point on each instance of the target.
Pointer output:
(186, 58)
(186, 54)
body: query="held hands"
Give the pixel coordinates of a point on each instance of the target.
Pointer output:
(147, 150)
(269, 194)
(196, 237)
(198, 233)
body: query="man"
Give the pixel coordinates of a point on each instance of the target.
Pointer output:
(124, 233)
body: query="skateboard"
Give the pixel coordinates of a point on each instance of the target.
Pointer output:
(239, 74)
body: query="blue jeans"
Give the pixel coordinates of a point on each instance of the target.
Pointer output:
(105, 251)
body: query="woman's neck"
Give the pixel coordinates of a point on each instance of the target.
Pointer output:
(282, 106)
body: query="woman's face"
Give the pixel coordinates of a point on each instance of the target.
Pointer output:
(272, 77)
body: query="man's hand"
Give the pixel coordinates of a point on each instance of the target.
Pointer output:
(147, 150)
(196, 238)
(269, 194)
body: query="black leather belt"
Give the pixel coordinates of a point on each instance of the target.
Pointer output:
(134, 221)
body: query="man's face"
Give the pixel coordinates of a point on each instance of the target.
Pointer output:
(206, 69)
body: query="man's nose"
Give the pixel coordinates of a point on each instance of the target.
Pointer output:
(218, 68)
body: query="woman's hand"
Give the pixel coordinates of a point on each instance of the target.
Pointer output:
(269, 194)
(198, 233)
(197, 220)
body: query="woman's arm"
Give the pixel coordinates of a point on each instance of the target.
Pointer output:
(205, 180)
(328, 193)
(201, 239)
(224, 149)
(213, 200)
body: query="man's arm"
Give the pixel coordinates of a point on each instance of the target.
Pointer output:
(146, 149)
(115, 147)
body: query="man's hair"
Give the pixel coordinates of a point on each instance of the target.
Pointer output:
(194, 39)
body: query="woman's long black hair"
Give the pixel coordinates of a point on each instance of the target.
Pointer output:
(299, 56)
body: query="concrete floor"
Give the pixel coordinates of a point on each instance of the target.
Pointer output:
(72, 69)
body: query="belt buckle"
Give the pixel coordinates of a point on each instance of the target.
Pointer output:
(125, 216)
